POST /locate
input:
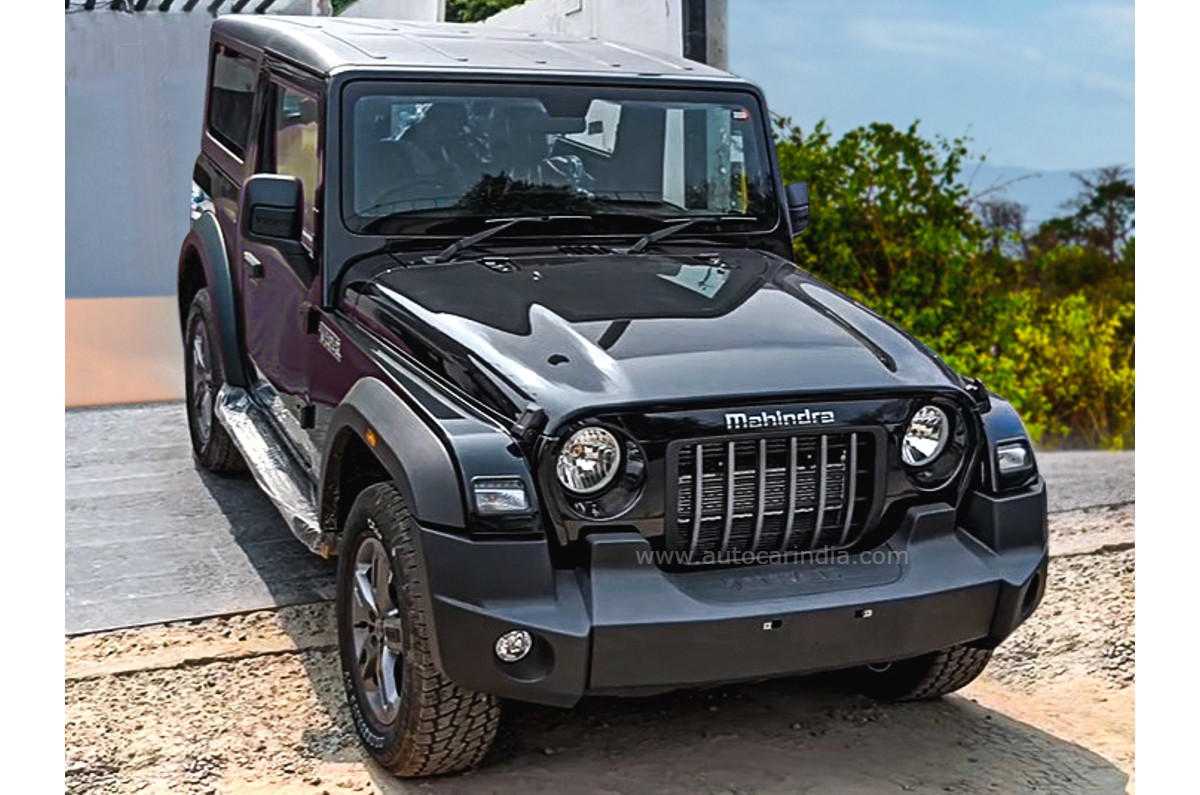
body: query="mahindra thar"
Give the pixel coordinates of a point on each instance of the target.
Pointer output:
(509, 323)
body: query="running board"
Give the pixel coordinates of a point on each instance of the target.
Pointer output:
(274, 467)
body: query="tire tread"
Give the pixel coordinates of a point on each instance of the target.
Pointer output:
(926, 677)
(444, 728)
(950, 670)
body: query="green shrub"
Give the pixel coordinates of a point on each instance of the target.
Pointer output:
(1047, 322)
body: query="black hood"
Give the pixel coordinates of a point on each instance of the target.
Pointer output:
(576, 332)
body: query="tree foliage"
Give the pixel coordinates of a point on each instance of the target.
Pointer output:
(1044, 317)
(475, 10)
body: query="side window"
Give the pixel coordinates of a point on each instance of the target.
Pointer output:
(231, 99)
(297, 145)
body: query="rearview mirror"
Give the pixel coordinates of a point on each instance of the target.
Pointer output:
(797, 206)
(272, 211)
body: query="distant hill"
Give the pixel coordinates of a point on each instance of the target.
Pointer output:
(1042, 191)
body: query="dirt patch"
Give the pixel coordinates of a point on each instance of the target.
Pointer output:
(253, 704)
(1084, 627)
(1086, 531)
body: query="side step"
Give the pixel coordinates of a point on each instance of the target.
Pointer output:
(274, 467)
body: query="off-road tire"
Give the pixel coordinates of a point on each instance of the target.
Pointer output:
(439, 727)
(215, 451)
(925, 677)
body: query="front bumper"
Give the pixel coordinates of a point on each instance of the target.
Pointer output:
(621, 625)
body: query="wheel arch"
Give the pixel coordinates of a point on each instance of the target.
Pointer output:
(204, 264)
(366, 434)
(191, 280)
(351, 467)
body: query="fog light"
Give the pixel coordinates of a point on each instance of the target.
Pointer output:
(513, 646)
(1012, 458)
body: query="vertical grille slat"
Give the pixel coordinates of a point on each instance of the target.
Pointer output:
(698, 502)
(790, 511)
(730, 495)
(761, 492)
(852, 479)
(822, 483)
(770, 493)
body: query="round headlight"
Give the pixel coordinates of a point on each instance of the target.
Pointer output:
(589, 460)
(926, 436)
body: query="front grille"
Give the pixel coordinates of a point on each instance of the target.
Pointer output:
(794, 493)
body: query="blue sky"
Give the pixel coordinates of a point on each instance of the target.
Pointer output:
(1042, 85)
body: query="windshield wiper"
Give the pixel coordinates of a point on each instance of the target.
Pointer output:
(679, 226)
(498, 225)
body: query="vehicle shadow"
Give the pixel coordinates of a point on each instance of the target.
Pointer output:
(806, 735)
(288, 571)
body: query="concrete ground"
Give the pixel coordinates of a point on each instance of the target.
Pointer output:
(151, 538)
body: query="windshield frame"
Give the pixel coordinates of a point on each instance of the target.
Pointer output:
(645, 89)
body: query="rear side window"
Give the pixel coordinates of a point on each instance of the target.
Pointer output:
(231, 99)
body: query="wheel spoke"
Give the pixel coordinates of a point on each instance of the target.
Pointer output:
(388, 690)
(369, 664)
(364, 594)
(381, 577)
(359, 615)
(361, 639)
(198, 357)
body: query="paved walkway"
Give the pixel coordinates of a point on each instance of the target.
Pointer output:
(150, 538)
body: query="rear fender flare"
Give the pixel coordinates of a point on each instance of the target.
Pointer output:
(206, 239)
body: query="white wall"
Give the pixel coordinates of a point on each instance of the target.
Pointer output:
(134, 100)
(647, 24)
(419, 10)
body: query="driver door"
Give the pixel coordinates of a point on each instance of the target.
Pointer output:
(279, 291)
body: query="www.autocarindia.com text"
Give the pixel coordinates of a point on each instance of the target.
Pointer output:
(729, 557)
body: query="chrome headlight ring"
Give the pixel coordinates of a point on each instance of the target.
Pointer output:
(588, 461)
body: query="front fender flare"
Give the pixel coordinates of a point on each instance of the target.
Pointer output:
(427, 476)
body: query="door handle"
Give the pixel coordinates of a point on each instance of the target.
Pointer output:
(254, 266)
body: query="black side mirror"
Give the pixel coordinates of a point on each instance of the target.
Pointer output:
(272, 211)
(797, 206)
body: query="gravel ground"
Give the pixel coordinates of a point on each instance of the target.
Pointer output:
(253, 704)
(1084, 627)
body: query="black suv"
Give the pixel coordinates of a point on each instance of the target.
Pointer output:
(509, 323)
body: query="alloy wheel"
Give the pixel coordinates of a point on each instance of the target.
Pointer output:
(202, 383)
(376, 630)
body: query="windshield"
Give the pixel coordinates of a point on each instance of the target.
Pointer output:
(445, 159)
